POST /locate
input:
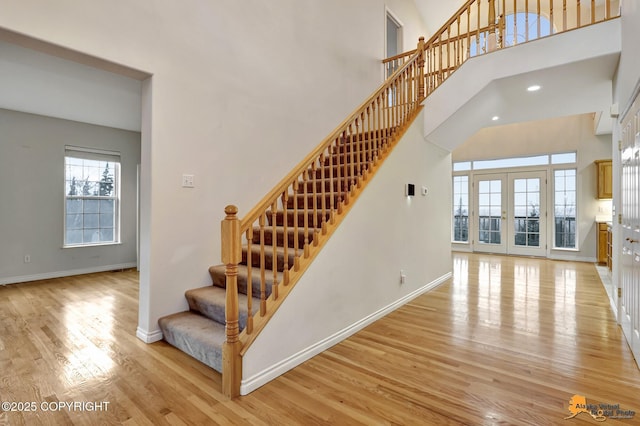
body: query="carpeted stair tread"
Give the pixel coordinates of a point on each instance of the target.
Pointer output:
(196, 335)
(218, 279)
(210, 302)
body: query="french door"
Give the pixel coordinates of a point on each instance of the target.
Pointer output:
(629, 295)
(510, 213)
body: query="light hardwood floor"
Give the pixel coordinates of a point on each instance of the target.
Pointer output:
(506, 341)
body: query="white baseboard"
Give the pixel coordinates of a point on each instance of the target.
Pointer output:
(59, 274)
(145, 336)
(270, 373)
(571, 258)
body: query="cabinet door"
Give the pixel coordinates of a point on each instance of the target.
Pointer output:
(605, 180)
(602, 243)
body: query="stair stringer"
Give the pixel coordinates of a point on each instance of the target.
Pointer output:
(355, 278)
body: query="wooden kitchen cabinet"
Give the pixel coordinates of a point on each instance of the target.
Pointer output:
(602, 243)
(605, 179)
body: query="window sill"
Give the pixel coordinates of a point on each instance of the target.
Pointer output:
(91, 245)
(564, 249)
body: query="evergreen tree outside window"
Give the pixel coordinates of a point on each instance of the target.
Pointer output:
(92, 204)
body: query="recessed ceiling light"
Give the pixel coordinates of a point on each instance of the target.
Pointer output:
(495, 118)
(533, 88)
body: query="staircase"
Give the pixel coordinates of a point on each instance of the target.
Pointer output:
(266, 252)
(200, 332)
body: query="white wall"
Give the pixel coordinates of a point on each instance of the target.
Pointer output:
(358, 272)
(564, 134)
(32, 191)
(233, 83)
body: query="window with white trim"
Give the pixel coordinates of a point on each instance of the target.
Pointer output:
(461, 209)
(92, 197)
(564, 208)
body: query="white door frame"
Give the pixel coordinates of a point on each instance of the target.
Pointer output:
(629, 224)
(485, 199)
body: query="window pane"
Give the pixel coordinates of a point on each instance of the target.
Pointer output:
(461, 208)
(74, 236)
(91, 220)
(565, 208)
(539, 160)
(106, 235)
(74, 205)
(74, 221)
(91, 236)
(106, 220)
(462, 166)
(568, 157)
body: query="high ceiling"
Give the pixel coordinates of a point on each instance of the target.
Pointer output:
(436, 12)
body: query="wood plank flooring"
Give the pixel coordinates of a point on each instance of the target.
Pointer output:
(507, 340)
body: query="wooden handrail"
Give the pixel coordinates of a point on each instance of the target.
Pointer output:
(254, 213)
(399, 56)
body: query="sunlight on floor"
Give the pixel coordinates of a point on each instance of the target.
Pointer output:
(89, 325)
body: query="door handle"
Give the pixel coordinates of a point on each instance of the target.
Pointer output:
(631, 240)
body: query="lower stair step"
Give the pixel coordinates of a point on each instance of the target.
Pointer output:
(210, 302)
(195, 335)
(218, 279)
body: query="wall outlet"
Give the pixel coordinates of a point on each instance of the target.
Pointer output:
(403, 277)
(425, 190)
(27, 258)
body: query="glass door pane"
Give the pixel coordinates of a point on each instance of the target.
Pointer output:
(527, 212)
(490, 213)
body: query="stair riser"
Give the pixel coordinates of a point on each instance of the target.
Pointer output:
(359, 144)
(218, 279)
(318, 198)
(325, 185)
(268, 257)
(300, 217)
(215, 310)
(341, 159)
(335, 170)
(268, 237)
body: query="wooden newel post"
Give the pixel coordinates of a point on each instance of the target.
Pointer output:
(421, 61)
(231, 257)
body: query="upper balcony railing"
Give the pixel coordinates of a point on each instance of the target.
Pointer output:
(482, 26)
